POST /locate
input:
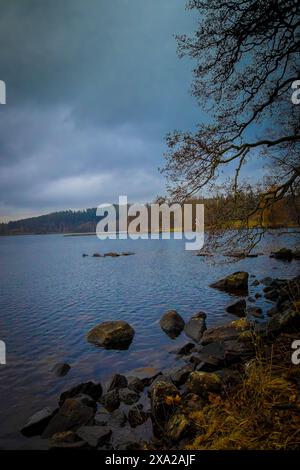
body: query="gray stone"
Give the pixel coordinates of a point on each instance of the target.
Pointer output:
(111, 400)
(128, 396)
(118, 381)
(70, 417)
(61, 369)
(112, 335)
(37, 423)
(237, 308)
(236, 283)
(95, 436)
(172, 323)
(87, 388)
(196, 326)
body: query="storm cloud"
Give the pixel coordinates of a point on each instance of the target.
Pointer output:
(92, 88)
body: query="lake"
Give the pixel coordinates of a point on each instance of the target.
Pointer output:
(50, 296)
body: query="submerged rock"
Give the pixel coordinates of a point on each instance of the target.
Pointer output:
(112, 254)
(284, 254)
(112, 335)
(172, 323)
(196, 326)
(61, 369)
(234, 283)
(266, 281)
(238, 308)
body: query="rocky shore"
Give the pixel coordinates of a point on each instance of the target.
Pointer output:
(154, 409)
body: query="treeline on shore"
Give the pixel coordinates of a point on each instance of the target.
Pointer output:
(283, 213)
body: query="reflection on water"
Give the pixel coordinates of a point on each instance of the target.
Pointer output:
(50, 296)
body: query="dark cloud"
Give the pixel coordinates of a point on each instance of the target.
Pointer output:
(92, 88)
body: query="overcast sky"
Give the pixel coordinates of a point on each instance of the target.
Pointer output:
(93, 86)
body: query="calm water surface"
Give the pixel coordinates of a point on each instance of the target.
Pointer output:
(50, 296)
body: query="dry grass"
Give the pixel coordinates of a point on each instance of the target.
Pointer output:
(262, 413)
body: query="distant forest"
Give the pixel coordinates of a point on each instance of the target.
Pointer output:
(284, 213)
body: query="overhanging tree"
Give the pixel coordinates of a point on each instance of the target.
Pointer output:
(247, 55)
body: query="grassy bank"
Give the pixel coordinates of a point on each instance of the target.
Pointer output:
(263, 412)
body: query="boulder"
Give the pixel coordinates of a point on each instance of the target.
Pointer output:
(135, 384)
(196, 326)
(118, 381)
(164, 396)
(97, 255)
(86, 400)
(284, 254)
(229, 331)
(266, 281)
(70, 417)
(94, 436)
(179, 376)
(129, 397)
(112, 335)
(185, 349)
(204, 383)
(255, 283)
(88, 388)
(192, 402)
(111, 400)
(236, 351)
(237, 308)
(286, 321)
(127, 253)
(211, 357)
(236, 283)
(136, 416)
(177, 427)
(172, 323)
(61, 369)
(37, 423)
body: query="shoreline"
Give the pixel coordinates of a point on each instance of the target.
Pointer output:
(217, 367)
